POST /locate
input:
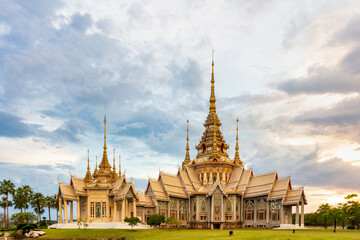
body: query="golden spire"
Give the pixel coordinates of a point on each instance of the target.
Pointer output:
(88, 168)
(187, 155)
(237, 157)
(119, 166)
(104, 165)
(88, 177)
(114, 175)
(212, 95)
(95, 166)
(114, 170)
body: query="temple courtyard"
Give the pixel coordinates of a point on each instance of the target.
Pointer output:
(200, 234)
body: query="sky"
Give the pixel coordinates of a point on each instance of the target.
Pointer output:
(288, 70)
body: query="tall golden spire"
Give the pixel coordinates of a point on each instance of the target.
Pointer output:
(119, 166)
(105, 165)
(237, 159)
(114, 170)
(88, 177)
(212, 107)
(187, 155)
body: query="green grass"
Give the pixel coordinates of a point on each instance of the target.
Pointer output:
(165, 234)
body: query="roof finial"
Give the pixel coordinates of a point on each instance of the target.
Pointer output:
(95, 166)
(119, 166)
(88, 177)
(88, 167)
(237, 157)
(114, 170)
(187, 155)
(105, 132)
(212, 95)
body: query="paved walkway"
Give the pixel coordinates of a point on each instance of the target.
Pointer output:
(98, 225)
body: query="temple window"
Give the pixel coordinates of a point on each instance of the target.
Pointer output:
(173, 208)
(163, 208)
(104, 209)
(182, 207)
(98, 210)
(249, 210)
(261, 210)
(275, 210)
(203, 206)
(92, 209)
(228, 206)
(214, 178)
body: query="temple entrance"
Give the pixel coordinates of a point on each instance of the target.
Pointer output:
(216, 226)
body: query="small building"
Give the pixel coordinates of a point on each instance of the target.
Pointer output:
(210, 191)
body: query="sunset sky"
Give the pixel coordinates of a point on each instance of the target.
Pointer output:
(289, 70)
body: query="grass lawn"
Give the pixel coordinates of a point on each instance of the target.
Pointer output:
(165, 234)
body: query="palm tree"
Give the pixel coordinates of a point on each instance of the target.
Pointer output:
(37, 201)
(3, 205)
(7, 187)
(26, 191)
(18, 199)
(50, 202)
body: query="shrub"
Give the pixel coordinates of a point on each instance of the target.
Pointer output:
(132, 221)
(18, 218)
(155, 220)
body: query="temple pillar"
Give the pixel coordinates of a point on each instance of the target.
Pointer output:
(60, 210)
(297, 215)
(223, 177)
(87, 217)
(78, 217)
(234, 208)
(65, 211)
(115, 212)
(302, 213)
(218, 177)
(211, 178)
(198, 208)
(255, 212)
(204, 178)
(107, 210)
(134, 207)
(71, 211)
(268, 214)
(282, 217)
(177, 209)
(123, 210)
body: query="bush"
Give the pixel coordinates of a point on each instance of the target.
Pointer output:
(19, 218)
(155, 220)
(132, 221)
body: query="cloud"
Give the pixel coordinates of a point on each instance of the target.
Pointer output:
(12, 126)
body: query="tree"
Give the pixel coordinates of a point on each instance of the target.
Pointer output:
(172, 221)
(37, 201)
(343, 213)
(324, 210)
(18, 199)
(6, 188)
(334, 214)
(19, 218)
(353, 210)
(3, 205)
(155, 220)
(26, 191)
(132, 221)
(50, 202)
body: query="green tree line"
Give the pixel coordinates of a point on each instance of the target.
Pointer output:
(346, 215)
(22, 198)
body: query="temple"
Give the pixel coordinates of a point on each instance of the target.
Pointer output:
(209, 191)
